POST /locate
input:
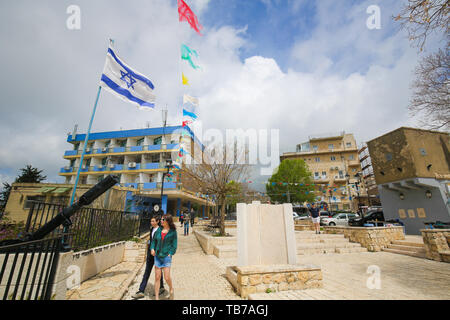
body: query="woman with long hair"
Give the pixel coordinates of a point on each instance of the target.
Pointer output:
(163, 247)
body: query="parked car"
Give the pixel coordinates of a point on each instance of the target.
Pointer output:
(339, 219)
(325, 214)
(371, 215)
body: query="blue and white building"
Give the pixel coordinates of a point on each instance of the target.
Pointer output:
(139, 158)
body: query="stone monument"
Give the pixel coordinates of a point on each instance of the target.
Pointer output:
(267, 253)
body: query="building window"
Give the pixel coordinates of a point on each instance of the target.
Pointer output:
(315, 148)
(351, 157)
(107, 143)
(349, 144)
(324, 174)
(122, 143)
(28, 202)
(353, 170)
(72, 163)
(388, 156)
(331, 146)
(140, 142)
(317, 159)
(341, 174)
(316, 176)
(76, 146)
(104, 160)
(157, 141)
(60, 200)
(333, 158)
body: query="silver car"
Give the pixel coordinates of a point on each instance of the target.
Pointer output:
(340, 219)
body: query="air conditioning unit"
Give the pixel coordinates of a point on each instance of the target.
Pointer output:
(336, 177)
(88, 150)
(132, 165)
(336, 168)
(104, 149)
(66, 168)
(112, 166)
(84, 167)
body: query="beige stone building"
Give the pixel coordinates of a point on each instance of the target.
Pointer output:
(412, 169)
(23, 194)
(334, 163)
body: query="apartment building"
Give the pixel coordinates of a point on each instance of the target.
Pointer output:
(139, 157)
(335, 166)
(412, 169)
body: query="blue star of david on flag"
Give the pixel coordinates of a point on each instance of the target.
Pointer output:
(128, 76)
(118, 78)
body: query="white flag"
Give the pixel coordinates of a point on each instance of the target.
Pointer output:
(126, 83)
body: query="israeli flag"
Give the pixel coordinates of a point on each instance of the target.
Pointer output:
(126, 83)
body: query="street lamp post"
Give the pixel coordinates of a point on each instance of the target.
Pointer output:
(358, 176)
(331, 195)
(168, 166)
(347, 176)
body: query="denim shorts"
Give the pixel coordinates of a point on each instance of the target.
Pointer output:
(163, 262)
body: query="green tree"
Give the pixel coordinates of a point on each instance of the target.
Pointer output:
(30, 175)
(4, 195)
(291, 183)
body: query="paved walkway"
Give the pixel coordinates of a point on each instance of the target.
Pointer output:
(195, 275)
(345, 277)
(108, 285)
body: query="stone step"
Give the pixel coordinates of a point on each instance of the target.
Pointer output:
(324, 240)
(225, 251)
(351, 250)
(408, 253)
(301, 235)
(327, 246)
(316, 251)
(407, 248)
(408, 243)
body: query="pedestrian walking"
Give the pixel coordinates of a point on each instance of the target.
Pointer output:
(315, 215)
(155, 225)
(163, 247)
(181, 219)
(187, 220)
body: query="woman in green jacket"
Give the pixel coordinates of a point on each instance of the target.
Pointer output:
(163, 247)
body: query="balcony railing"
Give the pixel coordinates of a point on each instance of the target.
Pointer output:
(116, 167)
(109, 150)
(153, 186)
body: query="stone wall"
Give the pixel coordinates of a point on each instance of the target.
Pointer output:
(372, 238)
(436, 243)
(304, 225)
(256, 279)
(207, 242)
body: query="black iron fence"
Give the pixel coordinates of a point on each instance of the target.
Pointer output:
(28, 269)
(90, 227)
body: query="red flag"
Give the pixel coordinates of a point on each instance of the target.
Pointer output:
(186, 14)
(185, 123)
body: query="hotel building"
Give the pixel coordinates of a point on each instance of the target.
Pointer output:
(330, 159)
(139, 158)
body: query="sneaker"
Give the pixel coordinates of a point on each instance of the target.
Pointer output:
(138, 295)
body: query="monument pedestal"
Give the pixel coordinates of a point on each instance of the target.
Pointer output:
(257, 279)
(267, 253)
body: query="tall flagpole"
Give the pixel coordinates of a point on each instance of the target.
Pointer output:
(85, 145)
(86, 140)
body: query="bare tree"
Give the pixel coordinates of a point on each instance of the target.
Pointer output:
(421, 17)
(431, 97)
(213, 177)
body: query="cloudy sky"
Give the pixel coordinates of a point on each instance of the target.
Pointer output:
(301, 66)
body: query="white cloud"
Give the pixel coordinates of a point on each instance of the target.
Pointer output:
(343, 78)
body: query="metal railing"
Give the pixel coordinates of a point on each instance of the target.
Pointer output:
(28, 269)
(90, 227)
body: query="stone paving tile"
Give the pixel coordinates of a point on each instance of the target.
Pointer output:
(195, 275)
(402, 277)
